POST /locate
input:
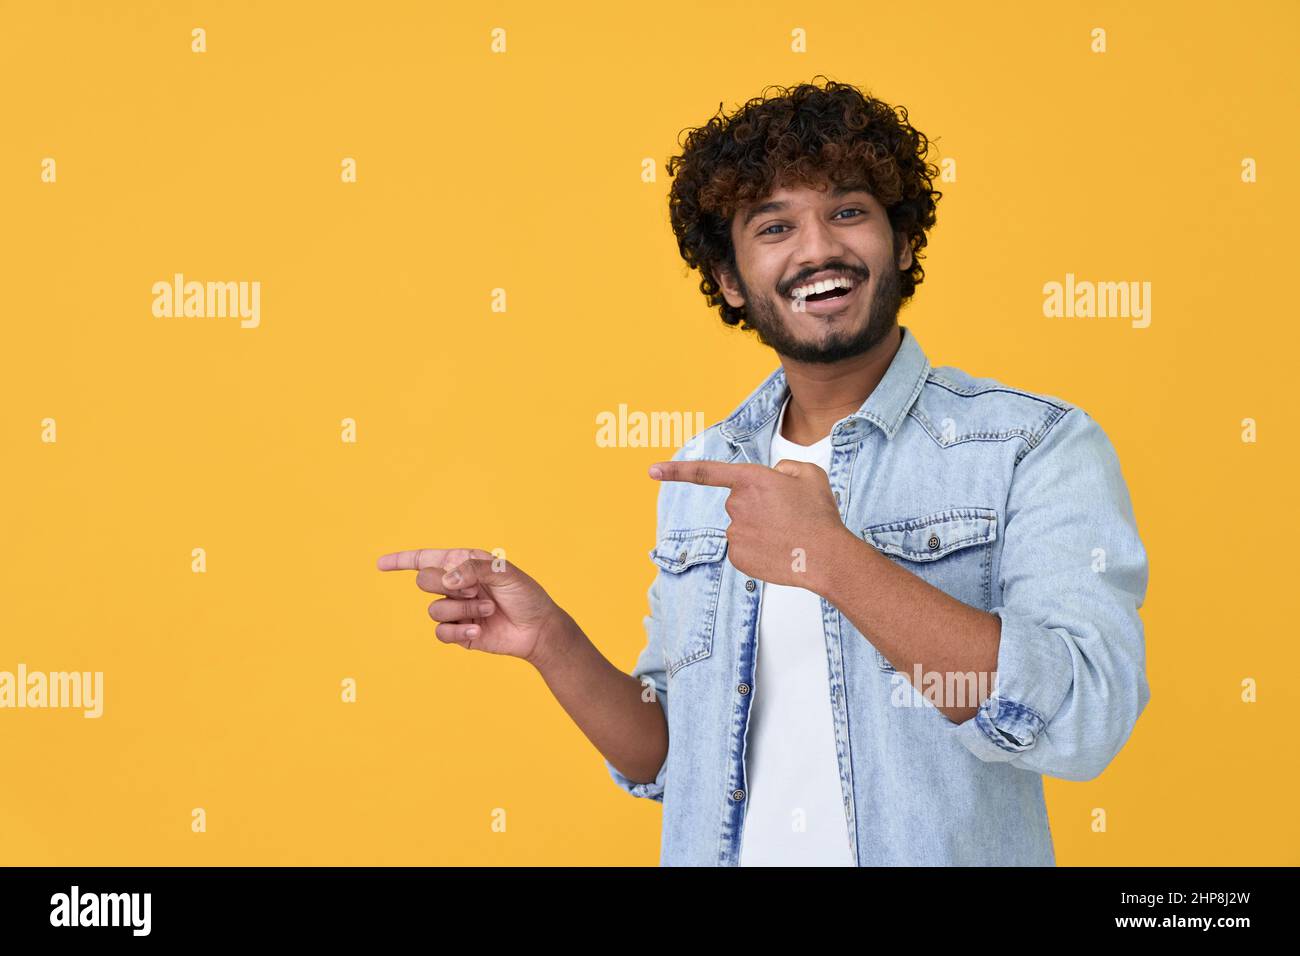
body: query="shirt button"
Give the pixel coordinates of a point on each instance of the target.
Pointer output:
(933, 542)
(750, 585)
(837, 497)
(743, 689)
(682, 556)
(738, 795)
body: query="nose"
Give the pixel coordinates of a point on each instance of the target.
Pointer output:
(818, 244)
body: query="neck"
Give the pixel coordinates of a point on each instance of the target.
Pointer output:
(820, 395)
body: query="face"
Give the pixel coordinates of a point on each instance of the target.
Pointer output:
(795, 237)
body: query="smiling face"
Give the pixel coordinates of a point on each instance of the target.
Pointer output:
(818, 271)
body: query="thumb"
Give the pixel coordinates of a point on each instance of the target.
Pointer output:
(482, 571)
(789, 467)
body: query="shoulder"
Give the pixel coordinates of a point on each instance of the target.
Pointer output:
(955, 406)
(708, 445)
(682, 505)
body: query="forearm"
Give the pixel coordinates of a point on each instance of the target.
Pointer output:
(608, 705)
(910, 621)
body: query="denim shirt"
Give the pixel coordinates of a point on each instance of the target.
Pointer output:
(1010, 501)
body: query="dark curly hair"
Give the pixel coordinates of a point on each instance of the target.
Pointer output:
(805, 135)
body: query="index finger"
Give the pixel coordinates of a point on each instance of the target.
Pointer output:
(421, 558)
(415, 560)
(723, 474)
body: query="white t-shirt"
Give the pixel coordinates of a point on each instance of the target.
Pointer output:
(794, 813)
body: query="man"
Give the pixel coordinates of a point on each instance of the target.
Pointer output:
(889, 597)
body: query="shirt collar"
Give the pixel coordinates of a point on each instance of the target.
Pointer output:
(885, 408)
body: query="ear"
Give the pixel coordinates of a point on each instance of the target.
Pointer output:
(904, 251)
(730, 288)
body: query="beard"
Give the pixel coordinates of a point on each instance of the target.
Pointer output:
(768, 318)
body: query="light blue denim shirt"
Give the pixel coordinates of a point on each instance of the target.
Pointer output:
(1010, 501)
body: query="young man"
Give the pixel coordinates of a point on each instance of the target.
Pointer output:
(889, 597)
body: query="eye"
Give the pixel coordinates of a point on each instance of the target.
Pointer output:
(776, 225)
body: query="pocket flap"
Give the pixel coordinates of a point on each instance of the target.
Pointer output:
(679, 550)
(932, 536)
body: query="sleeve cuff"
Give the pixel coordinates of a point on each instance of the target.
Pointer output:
(652, 791)
(1034, 674)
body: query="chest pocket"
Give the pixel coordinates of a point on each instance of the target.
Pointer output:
(688, 593)
(951, 549)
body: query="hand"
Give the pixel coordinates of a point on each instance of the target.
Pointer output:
(785, 525)
(490, 604)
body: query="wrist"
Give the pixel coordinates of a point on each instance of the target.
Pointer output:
(556, 637)
(841, 565)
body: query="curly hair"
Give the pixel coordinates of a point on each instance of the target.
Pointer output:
(805, 135)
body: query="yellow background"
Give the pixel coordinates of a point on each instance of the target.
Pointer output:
(522, 170)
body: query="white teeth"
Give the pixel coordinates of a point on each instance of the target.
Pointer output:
(840, 282)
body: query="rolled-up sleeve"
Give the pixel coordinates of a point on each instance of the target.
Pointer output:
(1071, 671)
(650, 671)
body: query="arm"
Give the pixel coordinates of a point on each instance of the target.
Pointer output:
(623, 718)
(910, 621)
(1067, 642)
(493, 606)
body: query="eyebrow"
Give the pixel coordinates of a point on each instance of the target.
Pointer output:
(777, 206)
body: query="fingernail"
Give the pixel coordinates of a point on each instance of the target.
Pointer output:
(452, 578)
(656, 471)
(485, 608)
(471, 632)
